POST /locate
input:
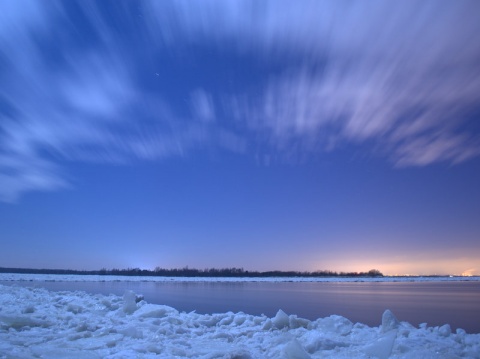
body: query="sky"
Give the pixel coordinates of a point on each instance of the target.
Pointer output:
(267, 135)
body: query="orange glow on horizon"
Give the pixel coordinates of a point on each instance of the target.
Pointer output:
(412, 266)
(470, 272)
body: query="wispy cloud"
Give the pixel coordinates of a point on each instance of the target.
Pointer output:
(406, 79)
(81, 103)
(59, 112)
(416, 121)
(202, 106)
(403, 77)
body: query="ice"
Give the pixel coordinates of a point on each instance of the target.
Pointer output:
(382, 347)
(113, 278)
(294, 350)
(389, 321)
(37, 323)
(281, 320)
(129, 302)
(335, 324)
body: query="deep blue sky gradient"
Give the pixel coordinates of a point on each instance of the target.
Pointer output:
(264, 135)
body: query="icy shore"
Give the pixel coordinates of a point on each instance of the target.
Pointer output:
(37, 323)
(113, 278)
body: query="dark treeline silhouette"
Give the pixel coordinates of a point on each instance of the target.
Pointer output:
(192, 272)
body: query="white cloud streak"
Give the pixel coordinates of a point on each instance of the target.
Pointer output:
(401, 75)
(404, 75)
(202, 106)
(88, 108)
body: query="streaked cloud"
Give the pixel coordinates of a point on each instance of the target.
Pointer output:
(403, 75)
(84, 107)
(202, 106)
(400, 77)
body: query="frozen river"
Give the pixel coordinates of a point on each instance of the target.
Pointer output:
(432, 302)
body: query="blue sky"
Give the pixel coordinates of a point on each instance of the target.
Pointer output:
(336, 135)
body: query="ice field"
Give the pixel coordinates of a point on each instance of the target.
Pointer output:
(118, 278)
(37, 323)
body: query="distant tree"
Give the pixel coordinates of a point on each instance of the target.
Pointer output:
(192, 272)
(374, 273)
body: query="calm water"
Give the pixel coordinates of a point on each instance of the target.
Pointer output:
(434, 303)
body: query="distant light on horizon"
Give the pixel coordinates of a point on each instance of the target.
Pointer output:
(471, 272)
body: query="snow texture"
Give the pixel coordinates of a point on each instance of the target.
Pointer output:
(113, 278)
(37, 323)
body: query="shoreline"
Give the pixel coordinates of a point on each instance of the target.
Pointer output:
(24, 277)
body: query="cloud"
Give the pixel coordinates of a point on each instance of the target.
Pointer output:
(400, 77)
(406, 79)
(416, 121)
(202, 106)
(83, 108)
(58, 113)
(67, 98)
(23, 173)
(91, 114)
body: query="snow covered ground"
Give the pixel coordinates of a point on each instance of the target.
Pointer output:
(113, 278)
(36, 323)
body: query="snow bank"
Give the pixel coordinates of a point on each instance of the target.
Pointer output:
(113, 278)
(36, 323)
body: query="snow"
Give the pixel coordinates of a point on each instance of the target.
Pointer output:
(37, 323)
(113, 278)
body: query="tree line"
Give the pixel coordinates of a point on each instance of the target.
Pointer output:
(193, 272)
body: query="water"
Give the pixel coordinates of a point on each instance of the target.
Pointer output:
(434, 303)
